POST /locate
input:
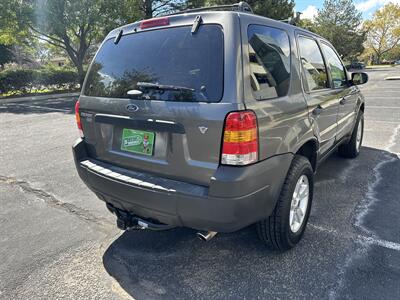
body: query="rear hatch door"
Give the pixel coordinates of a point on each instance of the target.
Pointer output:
(153, 102)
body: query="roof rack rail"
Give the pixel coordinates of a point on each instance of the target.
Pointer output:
(241, 6)
(293, 20)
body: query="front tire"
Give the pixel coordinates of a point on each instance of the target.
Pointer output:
(285, 227)
(352, 148)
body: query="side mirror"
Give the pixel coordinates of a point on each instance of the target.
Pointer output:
(359, 78)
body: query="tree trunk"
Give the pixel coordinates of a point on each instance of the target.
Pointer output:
(378, 58)
(78, 63)
(148, 9)
(77, 59)
(81, 73)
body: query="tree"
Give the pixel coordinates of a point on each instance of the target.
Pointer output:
(189, 4)
(154, 8)
(275, 9)
(393, 54)
(75, 26)
(133, 10)
(72, 25)
(339, 22)
(306, 24)
(15, 42)
(6, 55)
(384, 30)
(10, 32)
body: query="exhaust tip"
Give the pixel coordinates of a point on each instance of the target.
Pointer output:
(206, 236)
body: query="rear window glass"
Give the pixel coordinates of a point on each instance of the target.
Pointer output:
(164, 64)
(269, 55)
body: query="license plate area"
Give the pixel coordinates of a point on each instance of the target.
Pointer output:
(138, 141)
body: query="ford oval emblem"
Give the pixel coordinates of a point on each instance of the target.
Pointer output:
(132, 107)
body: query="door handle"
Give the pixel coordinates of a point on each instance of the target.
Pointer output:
(343, 101)
(316, 111)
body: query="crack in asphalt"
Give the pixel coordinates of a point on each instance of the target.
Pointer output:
(364, 207)
(52, 201)
(371, 196)
(104, 225)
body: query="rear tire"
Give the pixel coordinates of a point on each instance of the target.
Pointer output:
(352, 148)
(276, 231)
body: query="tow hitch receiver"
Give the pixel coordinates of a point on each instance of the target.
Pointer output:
(128, 221)
(125, 221)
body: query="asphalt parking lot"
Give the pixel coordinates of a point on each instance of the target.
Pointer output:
(57, 241)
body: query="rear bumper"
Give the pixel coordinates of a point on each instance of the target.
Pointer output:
(235, 198)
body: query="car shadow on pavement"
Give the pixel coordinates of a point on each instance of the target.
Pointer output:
(175, 264)
(169, 264)
(45, 106)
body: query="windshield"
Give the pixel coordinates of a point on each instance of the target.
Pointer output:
(172, 56)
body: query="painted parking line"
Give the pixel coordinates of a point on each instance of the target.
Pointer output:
(43, 107)
(382, 121)
(369, 97)
(385, 107)
(369, 240)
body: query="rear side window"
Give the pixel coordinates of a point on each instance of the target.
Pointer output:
(269, 55)
(314, 69)
(169, 64)
(336, 67)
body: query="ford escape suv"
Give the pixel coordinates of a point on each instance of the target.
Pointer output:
(214, 119)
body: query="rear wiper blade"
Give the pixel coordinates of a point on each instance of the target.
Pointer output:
(165, 87)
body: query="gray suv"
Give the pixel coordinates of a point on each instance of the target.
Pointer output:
(214, 119)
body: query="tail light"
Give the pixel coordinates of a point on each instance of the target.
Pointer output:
(240, 144)
(78, 118)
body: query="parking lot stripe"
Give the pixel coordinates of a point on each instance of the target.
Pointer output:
(41, 107)
(388, 107)
(360, 238)
(381, 121)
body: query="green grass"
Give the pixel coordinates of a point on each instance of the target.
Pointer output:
(12, 94)
(19, 93)
(379, 66)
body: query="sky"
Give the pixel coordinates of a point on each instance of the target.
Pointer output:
(309, 8)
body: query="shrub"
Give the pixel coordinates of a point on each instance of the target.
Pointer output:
(22, 81)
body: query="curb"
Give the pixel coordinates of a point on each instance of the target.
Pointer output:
(41, 97)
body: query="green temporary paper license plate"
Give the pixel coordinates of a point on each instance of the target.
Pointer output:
(137, 141)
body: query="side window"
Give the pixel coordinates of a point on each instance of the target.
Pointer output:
(336, 67)
(269, 54)
(314, 69)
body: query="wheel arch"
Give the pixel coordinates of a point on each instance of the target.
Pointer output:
(362, 107)
(309, 149)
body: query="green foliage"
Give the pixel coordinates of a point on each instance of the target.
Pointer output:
(275, 9)
(339, 22)
(307, 24)
(8, 22)
(188, 4)
(74, 26)
(154, 8)
(384, 31)
(393, 54)
(120, 12)
(6, 55)
(22, 81)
